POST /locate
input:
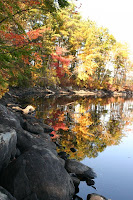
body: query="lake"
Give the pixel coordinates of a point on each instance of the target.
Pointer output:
(99, 133)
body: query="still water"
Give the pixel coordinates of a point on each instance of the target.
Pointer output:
(100, 130)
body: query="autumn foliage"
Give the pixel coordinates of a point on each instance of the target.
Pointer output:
(44, 44)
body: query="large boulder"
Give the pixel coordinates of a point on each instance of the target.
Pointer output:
(81, 170)
(8, 141)
(28, 141)
(5, 195)
(32, 120)
(38, 175)
(94, 196)
(33, 125)
(8, 118)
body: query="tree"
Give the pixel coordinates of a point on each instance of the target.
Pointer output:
(20, 38)
(95, 55)
(121, 64)
(43, 43)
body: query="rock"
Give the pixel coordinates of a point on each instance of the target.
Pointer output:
(5, 195)
(38, 172)
(32, 196)
(33, 128)
(25, 140)
(47, 129)
(27, 110)
(18, 153)
(16, 108)
(8, 118)
(90, 182)
(33, 125)
(28, 141)
(8, 99)
(63, 155)
(62, 162)
(8, 140)
(75, 179)
(81, 170)
(94, 196)
(76, 190)
(76, 197)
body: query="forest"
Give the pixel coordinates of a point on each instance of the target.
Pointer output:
(47, 43)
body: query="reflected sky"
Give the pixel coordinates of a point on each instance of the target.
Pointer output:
(114, 167)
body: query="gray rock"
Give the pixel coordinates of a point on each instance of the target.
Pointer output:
(47, 129)
(18, 153)
(5, 195)
(32, 121)
(32, 196)
(76, 197)
(28, 140)
(94, 196)
(63, 155)
(62, 161)
(25, 139)
(83, 171)
(38, 172)
(33, 127)
(31, 124)
(75, 179)
(8, 118)
(8, 141)
(90, 181)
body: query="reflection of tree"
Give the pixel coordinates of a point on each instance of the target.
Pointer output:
(88, 125)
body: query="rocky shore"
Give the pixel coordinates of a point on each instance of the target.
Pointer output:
(30, 167)
(40, 91)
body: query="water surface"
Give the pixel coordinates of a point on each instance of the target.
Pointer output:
(100, 130)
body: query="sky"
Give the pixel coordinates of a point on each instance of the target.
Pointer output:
(116, 15)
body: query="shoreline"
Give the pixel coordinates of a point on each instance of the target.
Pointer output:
(31, 155)
(29, 162)
(40, 91)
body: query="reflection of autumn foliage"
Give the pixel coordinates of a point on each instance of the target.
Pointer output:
(55, 119)
(60, 125)
(88, 125)
(81, 127)
(54, 135)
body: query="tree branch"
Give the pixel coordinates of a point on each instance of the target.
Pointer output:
(15, 14)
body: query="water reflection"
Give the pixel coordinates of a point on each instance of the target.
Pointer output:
(87, 125)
